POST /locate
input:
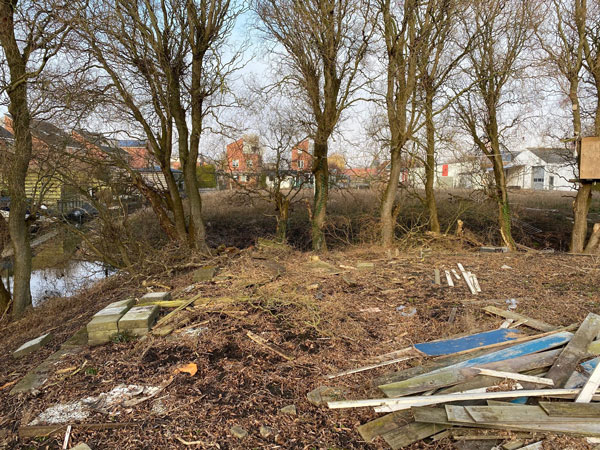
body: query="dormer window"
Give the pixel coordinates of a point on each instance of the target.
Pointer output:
(235, 163)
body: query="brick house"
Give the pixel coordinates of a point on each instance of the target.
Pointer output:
(139, 154)
(244, 161)
(302, 156)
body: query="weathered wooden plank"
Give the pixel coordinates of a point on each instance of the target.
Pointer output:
(575, 429)
(467, 279)
(590, 388)
(449, 346)
(427, 382)
(163, 303)
(575, 350)
(436, 275)
(554, 409)
(520, 414)
(407, 402)
(524, 348)
(384, 424)
(449, 278)
(521, 364)
(529, 322)
(444, 362)
(365, 368)
(516, 376)
(411, 433)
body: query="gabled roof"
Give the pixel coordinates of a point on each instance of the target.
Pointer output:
(131, 143)
(5, 134)
(553, 155)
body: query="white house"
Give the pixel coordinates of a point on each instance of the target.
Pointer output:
(542, 169)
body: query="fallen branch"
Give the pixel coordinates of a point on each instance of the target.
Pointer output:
(261, 341)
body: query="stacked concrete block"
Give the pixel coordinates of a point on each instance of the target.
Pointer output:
(105, 322)
(138, 320)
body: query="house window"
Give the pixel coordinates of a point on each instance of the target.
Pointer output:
(243, 178)
(300, 164)
(249, 163)
(235, 163)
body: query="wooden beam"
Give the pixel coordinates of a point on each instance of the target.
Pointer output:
(516, 376)
(384, 424)
(467, 279)
(575, 350)
(272, 347)
(449, 278)
(411, 433)
(436, 275)
(364, 368)
(407, 402)
(590, 388)
(529, 322)
(559, 409)
(427, 382)
(163, 303)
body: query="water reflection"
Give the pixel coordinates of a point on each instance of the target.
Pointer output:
(64, 281)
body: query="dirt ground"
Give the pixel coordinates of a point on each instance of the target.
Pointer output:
(327, 321)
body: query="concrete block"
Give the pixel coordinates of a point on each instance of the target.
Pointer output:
(81, 446)
(107, 319)
(365, 266)
(137, 331)
(138, 317)
(156, 297)
(32, 346)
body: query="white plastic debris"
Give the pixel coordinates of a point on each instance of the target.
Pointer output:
(512, 304)
(401, 309)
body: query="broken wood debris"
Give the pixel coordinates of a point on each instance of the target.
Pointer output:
(272, 347)
(432, 400)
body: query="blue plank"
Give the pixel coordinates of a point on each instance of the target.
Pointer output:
(590, 365)
(449, 346)
(525, 348)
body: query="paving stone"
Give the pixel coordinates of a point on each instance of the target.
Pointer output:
(238, 432)
(289, 409)
(323, 394)
(267, 432)
(205, 273)
(32, 346)
(138, 317)
(156, 297)
(128, 302)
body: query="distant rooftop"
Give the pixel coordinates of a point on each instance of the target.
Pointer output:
(5, 134)
(553, 155)
(132, 143)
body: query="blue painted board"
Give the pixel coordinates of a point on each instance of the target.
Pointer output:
(449, 346)
(525, 348)
(590, 365)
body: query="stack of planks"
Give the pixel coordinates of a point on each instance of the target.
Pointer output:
(498, 380)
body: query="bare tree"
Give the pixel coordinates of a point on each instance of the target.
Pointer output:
(164, 65)
(404, 38)
(324, 43)
(438, 59)
(502, 29)
(29, 37)
(588, 34)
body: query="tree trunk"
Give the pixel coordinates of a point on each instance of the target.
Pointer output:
(282, 219)
(594, 243)
(19, 110)
(434, 223)
(321, 175)
(504, 214)
(581, 206)
(388, 219)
